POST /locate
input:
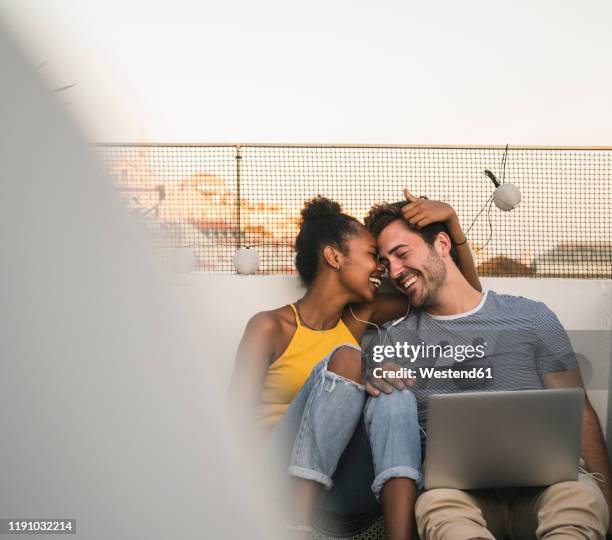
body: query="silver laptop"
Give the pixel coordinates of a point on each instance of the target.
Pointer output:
(500, 439)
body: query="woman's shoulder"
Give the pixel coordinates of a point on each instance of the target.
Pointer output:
(271, 330)
(273, 320)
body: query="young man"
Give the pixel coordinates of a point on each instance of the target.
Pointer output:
(525, 347)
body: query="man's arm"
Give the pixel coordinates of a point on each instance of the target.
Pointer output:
(593, 446)
(556, 363)
(594, 452)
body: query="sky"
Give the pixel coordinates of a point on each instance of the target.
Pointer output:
(334, 71)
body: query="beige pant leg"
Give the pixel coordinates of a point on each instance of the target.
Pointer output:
(572, 510)
(450, 514)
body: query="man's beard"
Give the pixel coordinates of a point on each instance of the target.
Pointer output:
(434, 276)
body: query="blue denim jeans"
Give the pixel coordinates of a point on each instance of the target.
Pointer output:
(320, 426)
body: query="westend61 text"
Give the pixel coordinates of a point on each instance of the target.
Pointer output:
(433, 373)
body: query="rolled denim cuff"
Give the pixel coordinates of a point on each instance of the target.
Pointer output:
(396, 472)
(309, 474)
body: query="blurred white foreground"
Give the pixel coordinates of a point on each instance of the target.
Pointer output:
(111, 408)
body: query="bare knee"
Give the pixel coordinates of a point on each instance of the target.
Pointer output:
(346, 362)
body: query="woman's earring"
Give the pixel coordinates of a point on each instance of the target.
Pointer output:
(337, 268)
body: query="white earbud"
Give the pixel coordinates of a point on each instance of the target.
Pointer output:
(381, 339)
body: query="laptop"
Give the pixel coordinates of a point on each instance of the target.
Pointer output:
(500, 439)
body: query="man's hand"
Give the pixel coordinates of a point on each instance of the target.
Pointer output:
(422, 212)
(375, 385)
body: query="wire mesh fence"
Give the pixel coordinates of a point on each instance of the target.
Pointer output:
(214, 198)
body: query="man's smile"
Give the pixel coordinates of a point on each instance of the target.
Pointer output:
(405, 281)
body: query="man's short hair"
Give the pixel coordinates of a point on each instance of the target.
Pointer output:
(383, 214)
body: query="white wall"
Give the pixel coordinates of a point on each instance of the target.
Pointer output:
(581, 305)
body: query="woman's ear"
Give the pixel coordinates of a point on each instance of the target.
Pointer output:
(332, 258)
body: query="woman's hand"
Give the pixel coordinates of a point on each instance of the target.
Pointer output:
(422, 212)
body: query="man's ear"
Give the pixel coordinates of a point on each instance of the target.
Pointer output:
(443, 244)
(331, 257)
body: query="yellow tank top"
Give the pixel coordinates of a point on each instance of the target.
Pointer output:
(287, 374)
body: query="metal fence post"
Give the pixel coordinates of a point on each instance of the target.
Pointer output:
(238, 210)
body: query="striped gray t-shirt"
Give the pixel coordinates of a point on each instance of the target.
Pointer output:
(504, 343)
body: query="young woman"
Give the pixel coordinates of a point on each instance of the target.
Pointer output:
(289, 355)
